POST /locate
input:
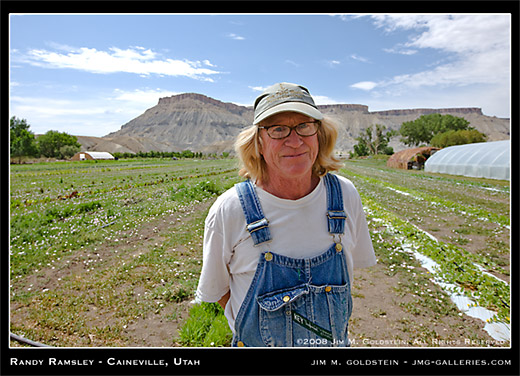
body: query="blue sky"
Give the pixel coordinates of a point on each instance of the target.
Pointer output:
(90, 74)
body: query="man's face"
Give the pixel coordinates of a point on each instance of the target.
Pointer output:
(291, 157)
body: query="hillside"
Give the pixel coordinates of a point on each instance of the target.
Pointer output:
(199, 123)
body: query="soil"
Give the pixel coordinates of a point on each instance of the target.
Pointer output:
(379, 319)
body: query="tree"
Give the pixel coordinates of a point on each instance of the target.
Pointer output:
(360, 150)
(22, 141)
(187, 154)
(423, 129)
(462, 137)
(52, 144)
(67, 151)
(373, 140)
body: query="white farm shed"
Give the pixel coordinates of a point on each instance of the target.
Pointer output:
(92, 155)
(489, 160)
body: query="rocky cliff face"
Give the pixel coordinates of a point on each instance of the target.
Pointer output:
(189, 99)
(339, 108)
(427, 111)
(199, 123)
(188, 121)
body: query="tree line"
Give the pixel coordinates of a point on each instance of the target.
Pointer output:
(60, 145)
(168, 154)
(428, 130)
(52, 144)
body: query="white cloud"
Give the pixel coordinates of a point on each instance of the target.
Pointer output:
(332, 63)
(94, 115)
(137, 53)
(480, 45)
(208, 63)
(364, 85)
(400, 50)
(392, 22)
(135, 60)
(478, 50)
(359, 58)
(78, 116)
(257, 88)
(322, 100)
(235, 36)
(294, 64)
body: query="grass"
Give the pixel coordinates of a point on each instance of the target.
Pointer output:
(206, 327)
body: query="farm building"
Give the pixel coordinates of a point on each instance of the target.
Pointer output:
(411, 158)
(481, 160)
(91, 155)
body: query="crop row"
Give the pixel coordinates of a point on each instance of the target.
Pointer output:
(75, 194)
(44, 229)
(455, 265)
(480, 213)
(448, 209)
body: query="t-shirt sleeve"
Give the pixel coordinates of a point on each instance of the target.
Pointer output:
(363, 251)
(364, 255)
(214, 278)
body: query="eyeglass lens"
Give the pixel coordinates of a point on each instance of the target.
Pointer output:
(303, 129)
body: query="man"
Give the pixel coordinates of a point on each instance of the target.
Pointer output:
(279, 248)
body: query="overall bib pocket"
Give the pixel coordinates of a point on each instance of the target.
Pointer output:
(305, 315)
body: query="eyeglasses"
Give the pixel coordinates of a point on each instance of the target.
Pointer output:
(306, 129)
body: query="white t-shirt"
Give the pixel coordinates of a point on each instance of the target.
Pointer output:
(298, 229)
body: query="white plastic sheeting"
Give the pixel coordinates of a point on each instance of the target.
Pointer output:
(498, 330)
(481, 160)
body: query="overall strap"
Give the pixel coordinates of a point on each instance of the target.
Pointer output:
(335, 213)
(257, 224)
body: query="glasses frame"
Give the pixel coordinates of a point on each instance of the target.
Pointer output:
(317, 122)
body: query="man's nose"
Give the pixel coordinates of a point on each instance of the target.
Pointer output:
(294, 139)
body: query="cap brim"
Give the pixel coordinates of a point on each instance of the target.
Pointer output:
(302, 108)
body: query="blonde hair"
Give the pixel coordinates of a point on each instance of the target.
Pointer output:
(252, 164)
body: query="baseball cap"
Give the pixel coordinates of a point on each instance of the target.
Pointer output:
(283, 97)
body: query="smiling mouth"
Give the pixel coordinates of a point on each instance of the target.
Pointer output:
(294, 155)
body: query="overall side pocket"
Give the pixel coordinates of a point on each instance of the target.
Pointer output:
(332, 307)
(275, 314)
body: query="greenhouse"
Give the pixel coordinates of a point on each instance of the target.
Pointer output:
(481, 160)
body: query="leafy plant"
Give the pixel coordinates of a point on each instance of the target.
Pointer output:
(206, 327)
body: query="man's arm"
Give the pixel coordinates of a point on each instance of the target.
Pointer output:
(223, 301)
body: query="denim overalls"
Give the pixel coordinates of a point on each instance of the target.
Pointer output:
(296, 302)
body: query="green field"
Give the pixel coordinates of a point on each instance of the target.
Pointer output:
(109, 253)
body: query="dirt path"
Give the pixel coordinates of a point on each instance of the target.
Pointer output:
(384, 317)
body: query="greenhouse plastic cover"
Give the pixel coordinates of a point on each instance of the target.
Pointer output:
(481, 160)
